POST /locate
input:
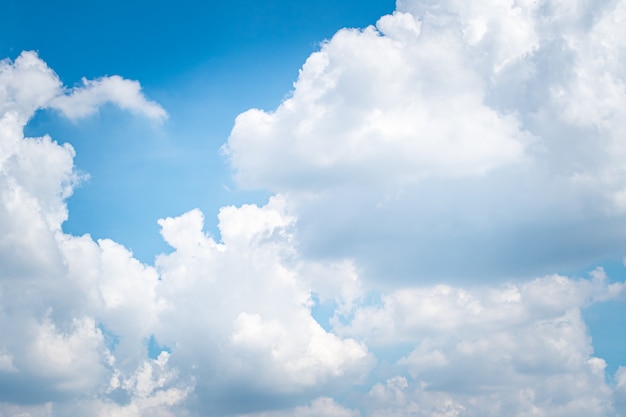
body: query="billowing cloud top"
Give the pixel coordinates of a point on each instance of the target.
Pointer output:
(476, 141)
(81, 314)
(491, 130)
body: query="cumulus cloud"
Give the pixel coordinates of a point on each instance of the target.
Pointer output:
(516, 349)
(478, 141)
(492, 131)
(81, 313)
(374, 106)
(61, 296)
(251, 306)
(409, 314)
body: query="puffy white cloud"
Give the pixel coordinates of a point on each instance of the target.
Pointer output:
(409, 314)
(65, 301)
(520, 349)
(461, 139)
(150, 391)
(239, 311)
(455, 139)
(450, 140)
(81, 313)
(398, 398)
(154, 393)
(25, 86)
(374, 106)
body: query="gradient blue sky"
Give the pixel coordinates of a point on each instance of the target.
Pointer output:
(428, 218)
(204, 62)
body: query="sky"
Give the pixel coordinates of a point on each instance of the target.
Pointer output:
(313, 209)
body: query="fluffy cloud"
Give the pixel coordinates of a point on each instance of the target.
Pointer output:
(62, 297)
(410, 314)
(374, 106)
(82, 313)
(457, 139)
(251, 307)
(492, 131)
(516, 349)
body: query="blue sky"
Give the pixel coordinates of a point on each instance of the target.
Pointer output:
(329, 209)
(204, 62)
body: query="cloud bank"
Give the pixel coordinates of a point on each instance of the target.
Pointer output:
(493, 131)
(432, 176)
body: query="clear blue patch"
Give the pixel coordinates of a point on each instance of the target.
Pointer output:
(392, 353)
(204, 75)
(155, 349)
(111, 340)
(323, 312)
(614, 269)
(606, 321)
(372, 298)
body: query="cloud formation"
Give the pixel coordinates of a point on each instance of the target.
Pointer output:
(475, 141)
(81, 314)
(493, 131)
(28, 84)
(61, 295)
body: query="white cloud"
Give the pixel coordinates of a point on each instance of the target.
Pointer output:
(25, 86)
(247, 299)
(551, 397)
(518, 349)
(409, 315)
(474, 139)
(28, 84)
(85, 100)
(374, 106)
(453, 139)
(320, 407)
(81, 313)
(61, 296)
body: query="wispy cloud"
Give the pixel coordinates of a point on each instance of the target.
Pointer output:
(85, 100)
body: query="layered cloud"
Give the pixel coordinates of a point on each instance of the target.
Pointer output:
(475, 141)
(516, 350)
